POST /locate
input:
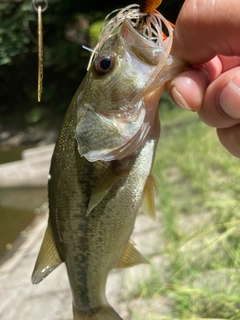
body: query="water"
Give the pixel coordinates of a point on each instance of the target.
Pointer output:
(17, 210)
(10, 154)
(17, 205)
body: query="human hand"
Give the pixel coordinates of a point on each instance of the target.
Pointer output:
(207, 35)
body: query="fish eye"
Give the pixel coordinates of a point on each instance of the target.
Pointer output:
(104, 63)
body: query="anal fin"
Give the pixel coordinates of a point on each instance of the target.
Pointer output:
(48, 257)
(130, 257)
(149, 193)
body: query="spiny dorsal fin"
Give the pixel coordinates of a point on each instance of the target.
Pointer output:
(48, 258)
(130, 257)
(104, 185)
(149, 193)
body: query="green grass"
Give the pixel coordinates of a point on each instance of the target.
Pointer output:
(199, 195)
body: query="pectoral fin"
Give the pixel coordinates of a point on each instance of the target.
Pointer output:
(104, 185)
(130, 257)
(149, 193)
(48, 258)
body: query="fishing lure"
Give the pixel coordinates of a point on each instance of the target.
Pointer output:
(149, 5)
(40, 9)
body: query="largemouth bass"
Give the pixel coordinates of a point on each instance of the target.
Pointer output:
(101, 166)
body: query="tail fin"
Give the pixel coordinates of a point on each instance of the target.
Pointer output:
(105, 313)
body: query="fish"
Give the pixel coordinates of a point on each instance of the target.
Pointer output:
(101, 168)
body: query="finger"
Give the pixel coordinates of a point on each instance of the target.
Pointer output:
(203, 29)
(212, 67)
(188, 88)
(230, 139)
(229, 62)
(221, 104)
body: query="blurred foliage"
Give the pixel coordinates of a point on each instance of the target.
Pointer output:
(67, 25)
(14, 37)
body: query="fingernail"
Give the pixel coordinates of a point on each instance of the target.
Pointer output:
(177, 97)
(229, 98)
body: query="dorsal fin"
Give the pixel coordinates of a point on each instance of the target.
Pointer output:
(130, 257)
(149, 193)
(48, 257)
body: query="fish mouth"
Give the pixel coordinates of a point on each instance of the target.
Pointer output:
(143, 48)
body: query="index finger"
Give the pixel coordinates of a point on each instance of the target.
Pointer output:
(205, 28)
